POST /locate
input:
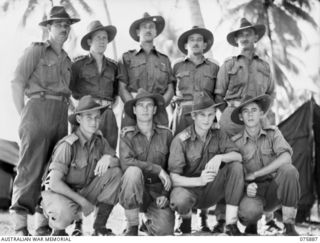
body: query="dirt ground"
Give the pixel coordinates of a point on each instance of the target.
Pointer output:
(117, 223)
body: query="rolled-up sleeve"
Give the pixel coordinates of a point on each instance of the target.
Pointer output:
(222, 81)
(122, 71)
(128, 158)
(177, 160)
(61, 158)
(280, 145)
(226, 145)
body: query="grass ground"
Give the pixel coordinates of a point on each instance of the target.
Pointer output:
(117, 223)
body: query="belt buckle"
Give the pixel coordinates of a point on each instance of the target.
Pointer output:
(43, 95)
(149, 180)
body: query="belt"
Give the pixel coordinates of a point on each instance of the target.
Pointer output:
(234, 103)
(43, 95)
(103, 102)
(151, 180)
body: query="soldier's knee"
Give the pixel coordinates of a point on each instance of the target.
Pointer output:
(116, 173)
(133, 174)
(250, 210)
(236, 168)
(289, 171)
(181, 200)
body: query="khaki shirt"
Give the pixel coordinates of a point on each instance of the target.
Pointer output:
(41, 69)
(189, 155)
(192, 78)
(239, 76)
(151, 72)
(86, 79)
(258, 153)
(76, 158)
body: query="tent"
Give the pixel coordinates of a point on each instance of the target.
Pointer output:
(302, 131)
(9, 154)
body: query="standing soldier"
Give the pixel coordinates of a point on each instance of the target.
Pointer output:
(193, 73)
(245, 74)
(144, 151)
(43, 75)
(241, 75)
(194, 164)
(95, 75)
(271, 179)
(146, 67)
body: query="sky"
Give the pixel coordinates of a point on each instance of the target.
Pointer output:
(15, 39)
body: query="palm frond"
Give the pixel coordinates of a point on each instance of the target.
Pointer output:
(86, 7)
(69, 6)
(31, 7)
(299, 12)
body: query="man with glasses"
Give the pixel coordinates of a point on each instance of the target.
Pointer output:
(43, 76)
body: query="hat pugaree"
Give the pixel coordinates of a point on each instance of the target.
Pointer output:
(95, 26)
(264, 102)
(86, 103)
(202, 101)
(58, 13)
(207, 36)
(158, 20)
(259, 29)
(142, 94)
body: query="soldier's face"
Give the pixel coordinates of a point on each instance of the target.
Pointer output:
(246, 39)
(147, 31)
(59, 30)
(144, 109)
(89, 122)
(204, 119)
(98, 42)
(195, 44)
(251, 115)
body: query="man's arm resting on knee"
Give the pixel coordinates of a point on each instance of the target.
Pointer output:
(183, 181)
(282, 159)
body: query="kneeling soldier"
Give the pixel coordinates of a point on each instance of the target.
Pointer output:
(194, 164)
(271, 178)
(84, 172)
(144, 150)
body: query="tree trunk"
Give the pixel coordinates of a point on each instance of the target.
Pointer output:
(114, 47)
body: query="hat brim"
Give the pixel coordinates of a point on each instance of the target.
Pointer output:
(264, 103)
(205, 108)
(128, 106)
(158, 20)
(207, 35)
(110, 29)
(48, 21)
(72, 118)
(259, 29)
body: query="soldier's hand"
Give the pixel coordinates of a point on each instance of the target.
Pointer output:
(250, 177)
(86, 207)
(252, 189)
(207, 176)
(165, 179)
(103, 164)
(214, 163)
(162, 201)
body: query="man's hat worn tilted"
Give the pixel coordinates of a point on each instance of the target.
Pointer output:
(202, 101)
(95, 26)
(58, 13)
(158, 20)
(259, 29)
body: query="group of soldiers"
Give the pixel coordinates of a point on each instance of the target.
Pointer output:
(241, 163)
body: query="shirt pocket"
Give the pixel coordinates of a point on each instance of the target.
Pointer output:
(162, 75)
(207, 82)
(263, 77)
(267, 155)
(136, 68)
(236, 79)
(183, 80)
(77, 172)
(49, 71)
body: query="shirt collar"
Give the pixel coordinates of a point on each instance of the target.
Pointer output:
(193, 134)
(137, 130)
(246, 136)
(48, 44)
(254, 56)
(82, 138)
(203, 59)
(91, 59)
(141, 50)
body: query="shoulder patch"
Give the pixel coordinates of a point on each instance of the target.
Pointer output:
(127, 129)
(78, 58)
(38, 43)
(112, 61)
(164, 127)
(184, 135)
(236, 137)
(70, 139)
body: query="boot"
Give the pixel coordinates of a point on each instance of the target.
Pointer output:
(251, 229)
(185, 226)
(131, 231)
(59, 233)
(77, 228)
(232, 229)
(41, 222)
(203, 221)
(289, 229)
(101, 219)
(272, 226)
(219, 227)
(43, 231)
(20, 222)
